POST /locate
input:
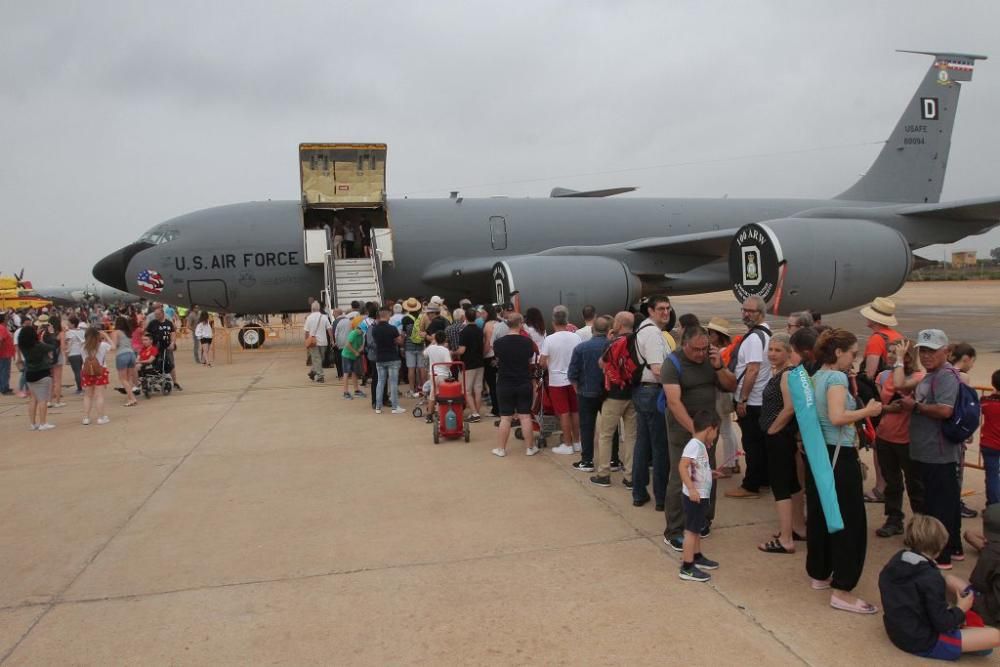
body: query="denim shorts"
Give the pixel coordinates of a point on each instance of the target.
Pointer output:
(415, 358)
(351, 366)
(125, 360)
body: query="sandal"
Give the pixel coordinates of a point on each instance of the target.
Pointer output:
(859, 607)
(774, 547)
(130, 404)
(874, 496)
(795, 537)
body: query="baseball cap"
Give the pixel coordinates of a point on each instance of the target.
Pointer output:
(932, 339)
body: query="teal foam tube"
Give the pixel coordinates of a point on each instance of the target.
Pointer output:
(803, 398)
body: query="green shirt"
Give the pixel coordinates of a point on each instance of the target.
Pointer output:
(355, 339)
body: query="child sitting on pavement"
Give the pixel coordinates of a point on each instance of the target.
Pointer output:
(918, 618)
(697, 476)
(985, 577)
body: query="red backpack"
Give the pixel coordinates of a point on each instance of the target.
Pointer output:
(621, 364)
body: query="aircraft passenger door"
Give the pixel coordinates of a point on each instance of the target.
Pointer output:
(498, 232)
(210, 294)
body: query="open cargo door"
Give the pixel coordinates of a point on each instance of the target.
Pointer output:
(342, 175)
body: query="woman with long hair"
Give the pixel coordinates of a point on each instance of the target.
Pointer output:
(96, 344)
(836, 560)
(37, 359)
(125, 360)
(74, 349)
(56, 337)
(205, 335)
(534, 325)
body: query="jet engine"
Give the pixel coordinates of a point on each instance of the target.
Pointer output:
(824, 265)
(545, 281)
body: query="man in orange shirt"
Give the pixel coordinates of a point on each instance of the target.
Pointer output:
(880, 317)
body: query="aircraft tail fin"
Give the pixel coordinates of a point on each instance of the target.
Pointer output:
(912, 164)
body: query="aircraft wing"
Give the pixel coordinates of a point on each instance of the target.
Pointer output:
(711, 245)
(971, 210)
(606, 192)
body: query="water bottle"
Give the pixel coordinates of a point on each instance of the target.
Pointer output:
(451, 419)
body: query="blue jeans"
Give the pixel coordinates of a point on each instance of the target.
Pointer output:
(650, 442)
(388, 369)
(991, 461)
(4, 374)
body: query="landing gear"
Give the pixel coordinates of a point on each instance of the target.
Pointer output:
(251, 336)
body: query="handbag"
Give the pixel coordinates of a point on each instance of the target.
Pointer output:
(311, 338)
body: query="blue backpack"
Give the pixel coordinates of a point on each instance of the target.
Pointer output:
(661, 398)
(965, 416)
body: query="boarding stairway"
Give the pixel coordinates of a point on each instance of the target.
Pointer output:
(353, 280)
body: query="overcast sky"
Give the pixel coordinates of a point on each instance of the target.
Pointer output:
(118, 115)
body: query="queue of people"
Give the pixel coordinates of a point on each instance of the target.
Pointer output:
(629, 397)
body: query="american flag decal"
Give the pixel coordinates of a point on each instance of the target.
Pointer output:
(150, 281)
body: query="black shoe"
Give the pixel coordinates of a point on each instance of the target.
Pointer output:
(889, 529)
(320, 380)
(640, 503)
(675, 543)
(707, 530)
(659, 507)
(584, 466)
(617, 466)
(968, 512)
(601, 480)
(627, 483)
(705, 563)
(312, 375)
(120, 390)
(692, 573)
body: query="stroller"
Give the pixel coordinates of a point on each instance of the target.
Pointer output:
(544, 421)
(155, 375)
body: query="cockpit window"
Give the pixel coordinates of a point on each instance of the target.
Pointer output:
(159, 235)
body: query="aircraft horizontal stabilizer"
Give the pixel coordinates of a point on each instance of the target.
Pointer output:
(966, 210)
(707, 244)
(607, 192)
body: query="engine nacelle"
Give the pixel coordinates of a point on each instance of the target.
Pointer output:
(823, 265)
(545, 281)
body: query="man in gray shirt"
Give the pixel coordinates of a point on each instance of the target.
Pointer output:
(932, 403)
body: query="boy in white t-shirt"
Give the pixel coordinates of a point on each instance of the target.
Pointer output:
(697, 475)
(437, 353)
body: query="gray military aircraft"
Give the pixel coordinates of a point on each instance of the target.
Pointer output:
(82, 294)
(572, 248)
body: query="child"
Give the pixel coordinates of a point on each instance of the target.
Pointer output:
(918, 618)
(989, 440)
(437, 353)
(351, 361)
(697, 475)
(986, 575)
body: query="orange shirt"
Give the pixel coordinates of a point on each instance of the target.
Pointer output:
(877, 344)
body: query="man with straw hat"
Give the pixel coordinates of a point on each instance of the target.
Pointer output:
(413, 346)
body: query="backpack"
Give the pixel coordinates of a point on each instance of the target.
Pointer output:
(621, 364)
(661, 398)
(965, 416)
(416, 336)
(763, 333)
(92, 368)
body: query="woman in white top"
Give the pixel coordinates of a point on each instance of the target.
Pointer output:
(205, 334)
(74, 349)
(534, 324)
(96, 344)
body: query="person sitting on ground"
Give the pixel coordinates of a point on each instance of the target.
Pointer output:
(514, 354)
(985, 577)
(989, 440)
(918, 618)
(697, 476)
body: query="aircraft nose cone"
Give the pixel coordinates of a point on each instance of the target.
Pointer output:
(111, 269)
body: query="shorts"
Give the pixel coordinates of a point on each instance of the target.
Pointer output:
(95, 380)
(125, 360)
(474, 381)
(350, 366)
(563, 400)
(782, 470)
(514, 399)
(41, 390)
(205, 341)
(694, 514)
(948, 647)
(415, 358)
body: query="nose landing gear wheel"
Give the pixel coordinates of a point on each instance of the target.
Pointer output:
(251, 336)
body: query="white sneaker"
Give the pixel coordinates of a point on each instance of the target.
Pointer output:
(59, 405)
(103, 420)
(562, 449)
(86, 421)
(398, 411)
(499, 452)
(531, 451)
(577, 447)
(33, 427)
(46, 427)
(378, 411)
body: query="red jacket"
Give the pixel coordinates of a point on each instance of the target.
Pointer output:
(6, 343)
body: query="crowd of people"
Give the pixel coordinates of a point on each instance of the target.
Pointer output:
(38, 344)
(659, 403)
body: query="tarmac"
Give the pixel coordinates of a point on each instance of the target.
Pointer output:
(257, 518)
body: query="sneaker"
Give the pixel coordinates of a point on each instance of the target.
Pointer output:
(563, 449)
(60, 404)
(531, 451)
(703, 563)
(312, 375)
(675, 543)
(706, 531)
(398, 411)
(499, 452)
(601, 480)
(378, 411)
(33, 427)
(101, 421)
(617, 466)
(80, 391)
(86, 421)
(46, 427)
(627, 483)
(889, 529)
(968, 512)
(474, 417)
(359, 394)
(577, 447)
(958, 555)
(135, 391)
(584, 466)
(692, 573)
(319, 380)
(944, 566)
(347, 395)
